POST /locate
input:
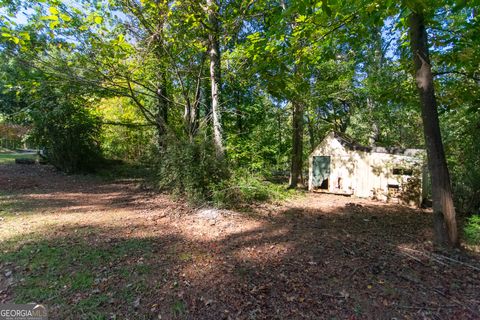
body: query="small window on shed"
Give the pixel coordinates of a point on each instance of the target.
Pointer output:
(402, 172)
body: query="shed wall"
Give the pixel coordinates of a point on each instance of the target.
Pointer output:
(367, 174)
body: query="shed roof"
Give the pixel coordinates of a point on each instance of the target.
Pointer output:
(351, 144)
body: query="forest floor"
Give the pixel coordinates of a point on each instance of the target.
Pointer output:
(95, 249)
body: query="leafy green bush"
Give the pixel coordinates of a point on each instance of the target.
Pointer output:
(189, 169)
(246, 188)
(472, 230)
(68, 133)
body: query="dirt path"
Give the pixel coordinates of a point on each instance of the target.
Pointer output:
(96, 250)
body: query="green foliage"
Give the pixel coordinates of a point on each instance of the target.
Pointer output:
(69, 136)
(472, 230)
(245, 188)
(259, 134)
(462, 144)
(124, 135)
(189, 168)
(112, 170)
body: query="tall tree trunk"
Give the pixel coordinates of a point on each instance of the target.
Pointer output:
(214, 54)
(445, 225)
(375, 69)
(297, 145)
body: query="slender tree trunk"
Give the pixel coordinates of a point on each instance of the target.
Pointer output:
(445, 225)
(297, 145)
(238, 113)
(311, 133)
(206, 95)
(187, 119)
(375, 133)
(192, 108)
(191, 115)
(280, 139)
(296, 163)
(375, 69)
(162, 111)
(214, 54)
(195, 115)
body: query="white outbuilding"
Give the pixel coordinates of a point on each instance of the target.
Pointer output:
(341, 166)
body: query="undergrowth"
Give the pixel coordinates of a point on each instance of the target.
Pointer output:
(191, 170)
(244, 188)
(472, 230)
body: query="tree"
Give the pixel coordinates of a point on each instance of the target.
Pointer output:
(445, 225)
(286, 49)
(215, 74)
(297, 144)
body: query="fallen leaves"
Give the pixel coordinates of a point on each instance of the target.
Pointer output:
(315, 257)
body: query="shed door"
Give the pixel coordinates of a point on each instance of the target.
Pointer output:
(321, 171)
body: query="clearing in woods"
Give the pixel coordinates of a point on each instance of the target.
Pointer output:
(93, 249)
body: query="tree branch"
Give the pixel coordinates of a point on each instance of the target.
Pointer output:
(465, 74)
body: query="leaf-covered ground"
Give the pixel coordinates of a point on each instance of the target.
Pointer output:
(91, 249)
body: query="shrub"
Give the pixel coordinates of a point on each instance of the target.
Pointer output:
(472, 230)
(68, 133)
(189, 168)
(243, 188)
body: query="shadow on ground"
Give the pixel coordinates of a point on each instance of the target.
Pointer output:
(299, 264)
(302, 260)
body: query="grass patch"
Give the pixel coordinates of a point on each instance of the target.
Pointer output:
(185, 256)
(68, 272)
(88, 307)
(178, 308)
(143, 269)
(82, 280)
(6, 158)
(7, 205)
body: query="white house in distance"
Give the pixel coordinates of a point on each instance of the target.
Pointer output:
(341, 166)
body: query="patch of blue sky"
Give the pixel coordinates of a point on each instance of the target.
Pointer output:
(19, 17)
(391, 37)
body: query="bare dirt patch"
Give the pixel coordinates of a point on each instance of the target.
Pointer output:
(94, 249)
